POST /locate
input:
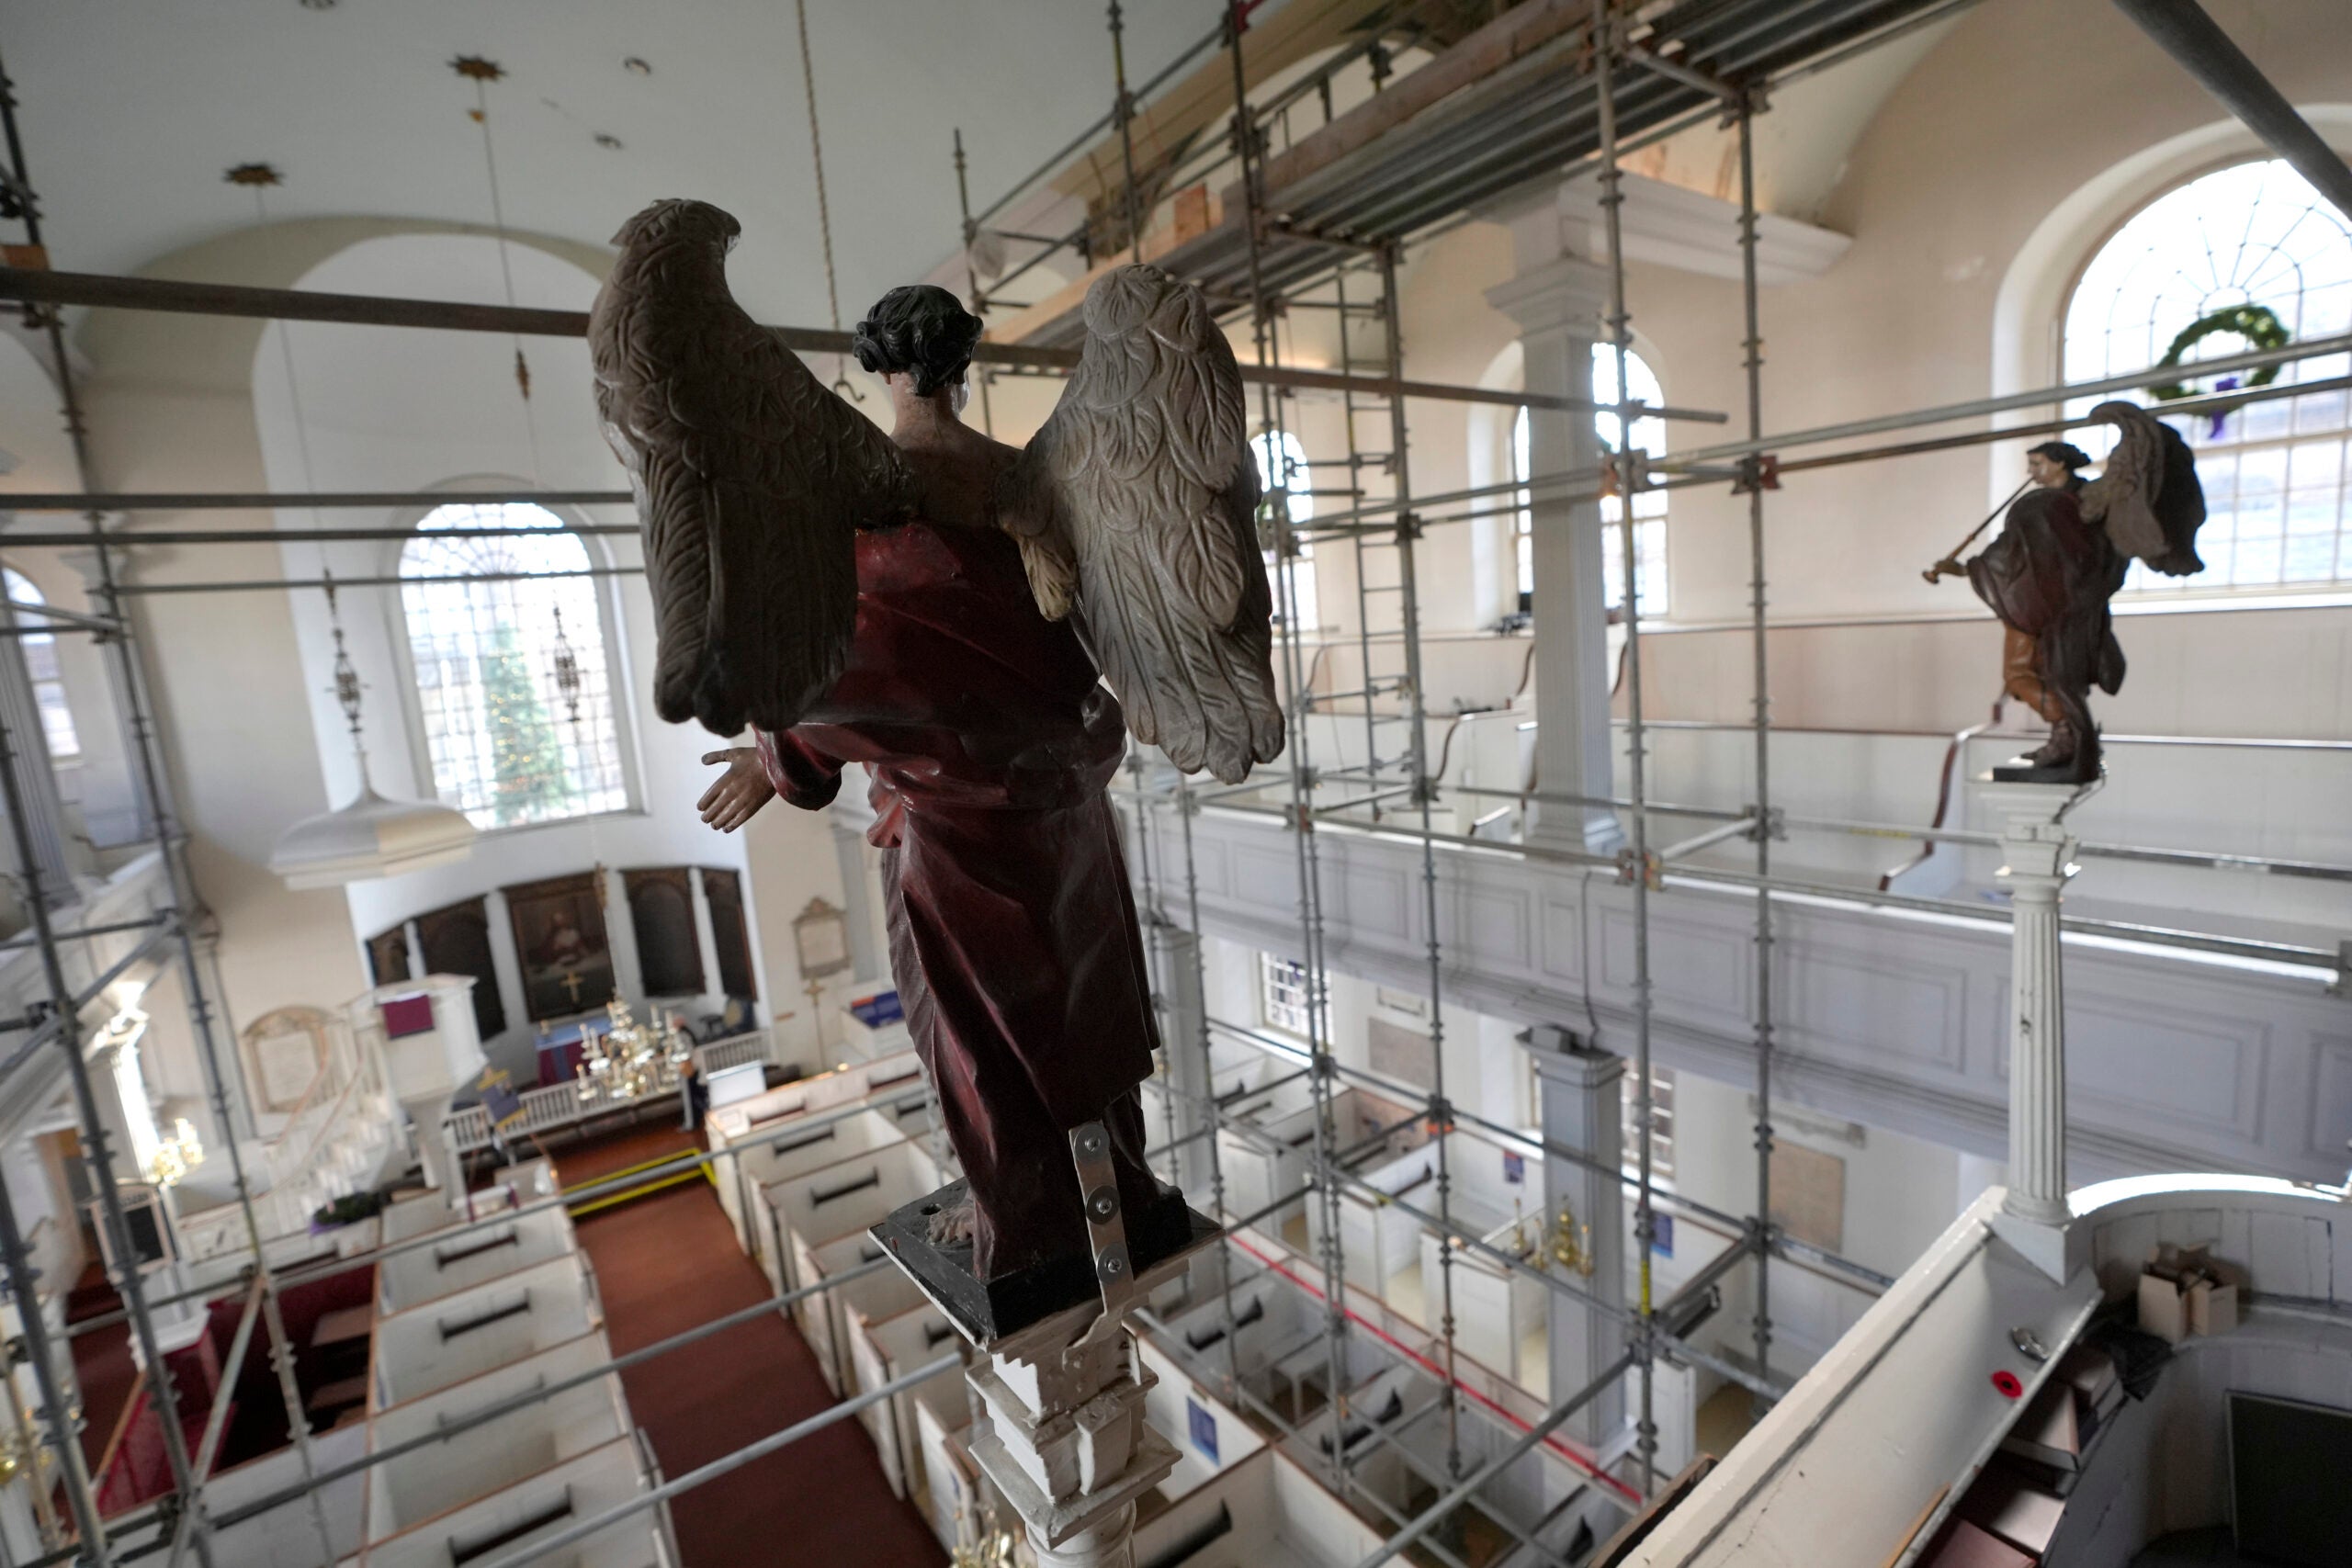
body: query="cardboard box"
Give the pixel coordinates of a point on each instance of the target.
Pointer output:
(2212, 1307)
(2163, 1311)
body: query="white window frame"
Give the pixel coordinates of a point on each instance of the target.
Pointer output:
(2143, 587)
(1301, 506)
(1661, 1122)
(1650, 510)
(610, 618)
(70, 750)
(1286, 996)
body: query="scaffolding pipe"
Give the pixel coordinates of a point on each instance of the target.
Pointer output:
(34, 288)
(1763, 821)
(1424, 796)
(2182, 29)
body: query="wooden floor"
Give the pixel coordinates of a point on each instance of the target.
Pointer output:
(667, 1262)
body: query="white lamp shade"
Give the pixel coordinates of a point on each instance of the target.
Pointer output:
(368, 838)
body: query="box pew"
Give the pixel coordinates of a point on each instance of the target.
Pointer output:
(1263, 1512)
(887, 1082)
(1376, 1238)
(882, 1349)
(288, 1536)
(409, 1488)
(827, 1320)
(806, 1210)
(444, 1342)
(508, 1520)
(1209, 1435)
(957, 1495)
(759, 1166)
(1393, 1398)
(471, 1257)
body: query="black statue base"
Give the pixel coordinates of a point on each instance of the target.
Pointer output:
(985, 1311)
(2025, 770)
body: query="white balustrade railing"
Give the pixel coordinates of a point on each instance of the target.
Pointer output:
(334, 1142)
(559, 1105)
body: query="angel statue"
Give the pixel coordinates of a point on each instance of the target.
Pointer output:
(980, 628)
(2063, 552)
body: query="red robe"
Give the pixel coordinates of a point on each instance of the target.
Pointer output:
(1012, 928)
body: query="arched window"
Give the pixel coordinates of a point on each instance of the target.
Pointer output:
(41, 663)
(1282, 461)
(1649, 506)
(508, 748)
(2273, 472)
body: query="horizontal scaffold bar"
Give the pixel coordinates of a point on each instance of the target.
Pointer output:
(32, 287)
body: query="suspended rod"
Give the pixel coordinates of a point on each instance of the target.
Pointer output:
(36, 288)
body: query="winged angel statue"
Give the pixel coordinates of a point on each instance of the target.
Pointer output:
(938, 607)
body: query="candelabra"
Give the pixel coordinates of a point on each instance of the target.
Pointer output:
(630, 1060)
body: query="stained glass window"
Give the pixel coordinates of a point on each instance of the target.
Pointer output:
(507, 749)
(2273, 472)
(41, 663)
(1649, 506)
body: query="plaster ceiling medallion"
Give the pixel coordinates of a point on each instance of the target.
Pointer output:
(371, 837)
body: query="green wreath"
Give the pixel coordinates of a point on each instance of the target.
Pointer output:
(2258, 324)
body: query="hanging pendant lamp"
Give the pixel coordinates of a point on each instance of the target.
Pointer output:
(371, 837)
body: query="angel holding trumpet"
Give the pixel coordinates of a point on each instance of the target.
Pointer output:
(980, 628)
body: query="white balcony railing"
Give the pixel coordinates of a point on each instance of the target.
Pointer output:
(559, 1105)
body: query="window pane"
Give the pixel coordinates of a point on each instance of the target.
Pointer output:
(1284, 466)
(2273, 472)
(507, 749)
(41, 664)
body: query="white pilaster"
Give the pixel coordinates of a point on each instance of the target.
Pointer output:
(2040, 854)
(1557, 299)
(1583, 1094)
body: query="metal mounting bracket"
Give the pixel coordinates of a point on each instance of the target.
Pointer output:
(1106, 1234)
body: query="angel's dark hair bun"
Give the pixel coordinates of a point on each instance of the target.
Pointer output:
(2066, 454)
(922, 329)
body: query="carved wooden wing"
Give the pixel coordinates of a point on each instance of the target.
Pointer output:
(1135, 506)
(751, 479)
(2147, 495)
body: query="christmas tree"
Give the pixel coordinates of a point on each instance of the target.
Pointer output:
(529, 781)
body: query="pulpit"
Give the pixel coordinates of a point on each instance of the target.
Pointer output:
(432, 1049)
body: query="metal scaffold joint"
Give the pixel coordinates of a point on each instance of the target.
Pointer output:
(1759, 472)
(1768, 822)
(1409, 527)
(1644, 868)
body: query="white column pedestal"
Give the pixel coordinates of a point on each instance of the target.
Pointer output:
(2039, 858)
(1062, 1433)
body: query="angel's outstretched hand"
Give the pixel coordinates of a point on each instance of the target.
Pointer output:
(736, 794)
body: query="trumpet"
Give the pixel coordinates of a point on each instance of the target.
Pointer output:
(1949, 566)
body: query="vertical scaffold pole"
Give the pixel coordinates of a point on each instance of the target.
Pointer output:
(1408, 531)
(1302, 771)
(971, 232)
(1754, 482)
(42, 1352)
(1612, 200)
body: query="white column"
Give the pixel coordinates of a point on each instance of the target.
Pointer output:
(1583, 1095)
(1557, 300)
(1182, 1010)
(2039, 858)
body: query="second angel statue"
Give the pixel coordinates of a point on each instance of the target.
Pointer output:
(980, 628)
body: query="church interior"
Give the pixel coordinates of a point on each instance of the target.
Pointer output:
(1706, 1023)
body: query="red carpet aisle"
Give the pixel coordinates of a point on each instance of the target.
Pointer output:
(668, 1262)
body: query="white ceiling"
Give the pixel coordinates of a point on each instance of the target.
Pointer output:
(133, 110)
